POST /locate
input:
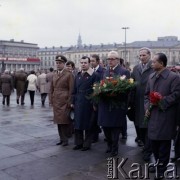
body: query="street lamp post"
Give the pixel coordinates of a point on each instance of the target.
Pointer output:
(125, 28)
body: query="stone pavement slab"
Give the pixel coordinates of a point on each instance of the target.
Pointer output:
(28, 151)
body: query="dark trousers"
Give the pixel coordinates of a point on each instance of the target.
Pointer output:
(147, 143)
(124, 127)
(83, 137)
(43, 98)
(177, 145)
(95, 128)
(22, 98)
(137, 131)
(63, 130)
(161, 150)
(31, 94)
(7, 98)
(143, 134)
(112, 136)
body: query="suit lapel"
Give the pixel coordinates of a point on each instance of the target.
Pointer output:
(58, 76)
(139, 69)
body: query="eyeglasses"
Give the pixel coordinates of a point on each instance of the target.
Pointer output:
(111, 59)
(59, 62)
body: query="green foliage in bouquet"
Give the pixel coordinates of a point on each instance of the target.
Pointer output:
(112, 90)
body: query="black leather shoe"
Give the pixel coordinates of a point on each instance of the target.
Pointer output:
(140, 143)
(124, 137)
(65, 144)
(175, 159)
(95, 140)
(136, 139)
(85, 148)
(152, 169)
(108, 150)
(158, 178)
(147, 158)
(77, 147)
(59, 143)
(17, 101)
(114, 153)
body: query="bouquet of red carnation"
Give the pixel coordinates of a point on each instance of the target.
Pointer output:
(155, 100)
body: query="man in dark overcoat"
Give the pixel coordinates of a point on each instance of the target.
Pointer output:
(6, 85)
(20, 85)
(112, 121)
(83, 106)
(162, 118)
(141, 74)
(95, 64)
(61, 90)
(177, 138)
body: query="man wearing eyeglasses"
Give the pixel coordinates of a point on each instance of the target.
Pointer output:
(112, 121)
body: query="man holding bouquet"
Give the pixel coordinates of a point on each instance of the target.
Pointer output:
(161, 100)
(112, 119)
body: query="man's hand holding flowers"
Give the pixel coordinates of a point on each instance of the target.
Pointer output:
(155, 99)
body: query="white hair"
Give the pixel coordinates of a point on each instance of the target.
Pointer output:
(21, 69)
(6, 71)
(147, 49)
(114, 53)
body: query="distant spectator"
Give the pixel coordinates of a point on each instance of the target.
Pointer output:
(49, 78)
(20, 85)
(32, 86)
(42, 86)
(6, 86)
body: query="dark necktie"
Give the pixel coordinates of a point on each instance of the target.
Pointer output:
(82, 74)
(111, 72)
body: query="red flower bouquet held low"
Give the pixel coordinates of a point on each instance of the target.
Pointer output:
(155, 100)
(112, 90)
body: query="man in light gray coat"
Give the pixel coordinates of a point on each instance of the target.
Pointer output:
(141, 74)
(162, 119)
(42, 86)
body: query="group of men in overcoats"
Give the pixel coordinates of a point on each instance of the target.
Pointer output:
(156, 135)
(72, 92)
(88, 115)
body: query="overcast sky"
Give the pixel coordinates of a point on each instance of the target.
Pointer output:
(58, 22)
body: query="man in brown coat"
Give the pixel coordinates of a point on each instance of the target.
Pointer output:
(6, 85)
(61, 89)
(20, 85)
(42, 86)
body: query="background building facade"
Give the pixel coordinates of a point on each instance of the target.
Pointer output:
(170, 45)
(47, 55)
(15, 55)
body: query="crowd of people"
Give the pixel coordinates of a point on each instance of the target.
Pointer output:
(68, 90)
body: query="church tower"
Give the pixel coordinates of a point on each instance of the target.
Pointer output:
(79, 42)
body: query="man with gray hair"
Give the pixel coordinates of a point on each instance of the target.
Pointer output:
(141, 74)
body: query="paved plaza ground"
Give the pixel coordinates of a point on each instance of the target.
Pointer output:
(28, 148)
